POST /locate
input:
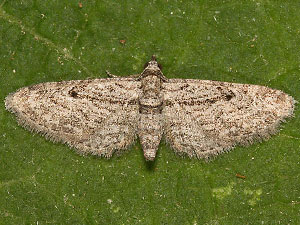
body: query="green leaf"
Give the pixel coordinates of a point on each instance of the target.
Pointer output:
(253, 42)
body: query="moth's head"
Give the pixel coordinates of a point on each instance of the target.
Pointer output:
(152, 65)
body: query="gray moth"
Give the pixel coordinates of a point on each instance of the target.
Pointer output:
(197, 118)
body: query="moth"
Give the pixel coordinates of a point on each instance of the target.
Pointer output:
(197, 118)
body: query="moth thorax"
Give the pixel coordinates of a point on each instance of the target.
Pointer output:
(151, 83)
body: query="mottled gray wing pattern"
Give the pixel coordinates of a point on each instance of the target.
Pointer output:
(205, 118)
(94, 116)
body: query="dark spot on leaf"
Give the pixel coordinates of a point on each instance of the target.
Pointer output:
(122, 42)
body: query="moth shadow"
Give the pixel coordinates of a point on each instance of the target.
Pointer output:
(150, 165)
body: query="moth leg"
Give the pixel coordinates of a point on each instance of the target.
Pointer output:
(134, 75)
(116, 76)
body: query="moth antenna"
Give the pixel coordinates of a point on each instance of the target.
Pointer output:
(159, 66)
